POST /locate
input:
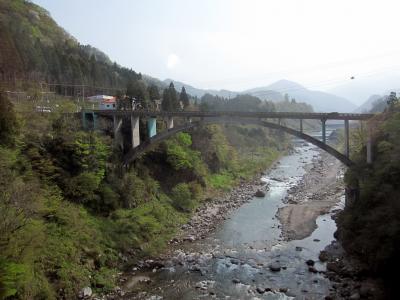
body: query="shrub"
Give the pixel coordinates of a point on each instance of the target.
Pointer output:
(182, 197)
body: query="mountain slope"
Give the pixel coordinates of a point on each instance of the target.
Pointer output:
(321, 101)
(367, 105)
(34, 48)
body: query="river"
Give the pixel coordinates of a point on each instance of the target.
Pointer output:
(235, 261)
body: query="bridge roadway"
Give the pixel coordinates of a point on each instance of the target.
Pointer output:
(263, 115)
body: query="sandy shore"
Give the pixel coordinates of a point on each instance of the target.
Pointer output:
(318, 191)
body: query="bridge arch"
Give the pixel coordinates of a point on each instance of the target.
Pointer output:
(145, 146)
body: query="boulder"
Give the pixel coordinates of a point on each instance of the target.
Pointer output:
(275, 267)
(259, 194)
(86, 292)
(260, 290)
(323, 256)
(235, 280)
(310, 262)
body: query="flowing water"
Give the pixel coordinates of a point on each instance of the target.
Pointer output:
(235, 260)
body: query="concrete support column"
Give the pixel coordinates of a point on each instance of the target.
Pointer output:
(94, 121)
(135, 131)
(346, 138)
(84, 120)
(117, 132)
(151, 127)
(369, 145)
(170, 122)
(117, 125)
(301, 125)
(323, 121)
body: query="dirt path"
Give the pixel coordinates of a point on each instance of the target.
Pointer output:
(319, 190)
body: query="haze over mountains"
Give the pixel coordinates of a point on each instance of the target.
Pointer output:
(321, 101)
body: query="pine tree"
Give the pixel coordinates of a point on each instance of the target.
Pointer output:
(184, 98)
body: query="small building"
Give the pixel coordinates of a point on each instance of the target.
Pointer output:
(108, 104)
(100, 98)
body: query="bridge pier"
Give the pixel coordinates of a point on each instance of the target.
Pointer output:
(346, 138)
(323, 121)
(301, 125)
(117, 122)
(170, 122)
(151, 127)
(85, 116)
(135, 131)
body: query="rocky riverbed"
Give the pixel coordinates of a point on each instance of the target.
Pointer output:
(234, 246)
(316, 193)
(207, 217)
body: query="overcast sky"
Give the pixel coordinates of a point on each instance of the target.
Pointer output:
(241, 44)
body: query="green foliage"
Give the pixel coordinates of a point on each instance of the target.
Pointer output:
(8, 121)
(181, 156)
(182, 197)
(379, 195)
(184, 98)
(223, 181)
(10, 275)
(170, 99)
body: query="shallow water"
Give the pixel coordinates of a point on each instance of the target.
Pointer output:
(232, 262)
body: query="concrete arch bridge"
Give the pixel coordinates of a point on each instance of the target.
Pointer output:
(189, 120)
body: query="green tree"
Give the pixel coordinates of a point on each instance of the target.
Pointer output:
(8, 121)
(170, 99)
(182, 197)
(137, 89)
(184, 98)
(154, 93)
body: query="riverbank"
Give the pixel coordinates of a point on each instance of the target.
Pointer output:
(315, 195)
(214, 211)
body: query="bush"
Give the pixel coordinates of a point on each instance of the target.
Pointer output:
(182, 197)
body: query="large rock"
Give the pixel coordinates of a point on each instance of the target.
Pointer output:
(86, 292)
(310, 262)
(323, 256)
(259, 194)
(275, 267)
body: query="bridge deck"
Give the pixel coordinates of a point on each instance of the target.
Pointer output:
(265, 115)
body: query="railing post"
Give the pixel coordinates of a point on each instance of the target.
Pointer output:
(346, 138)
(323, 121)
(135, 131)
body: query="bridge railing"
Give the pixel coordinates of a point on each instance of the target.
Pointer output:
(271, 115)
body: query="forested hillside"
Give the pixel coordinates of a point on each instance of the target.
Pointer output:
(34, 48)
(369, 228)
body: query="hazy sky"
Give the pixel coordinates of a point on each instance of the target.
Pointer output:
(241, 44)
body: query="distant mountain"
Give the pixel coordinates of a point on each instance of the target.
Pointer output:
(320, 101)
(367, 105)
(362, 87)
